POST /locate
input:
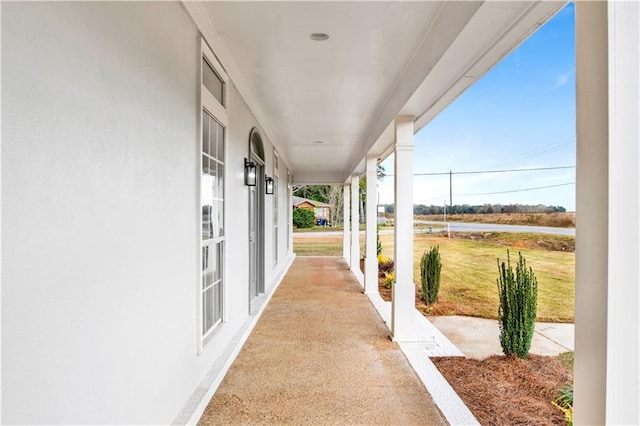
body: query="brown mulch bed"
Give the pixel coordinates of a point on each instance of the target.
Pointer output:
(500, 390)
(441, 307)
(508, 391)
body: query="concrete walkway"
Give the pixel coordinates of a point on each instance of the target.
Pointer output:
(320, 354)
(479, 337)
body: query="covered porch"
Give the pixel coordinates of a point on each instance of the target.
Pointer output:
(122, 303)
(321, 353)
(446, 52)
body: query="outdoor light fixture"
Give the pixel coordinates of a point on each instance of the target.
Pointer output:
(268, 181)
(250, 178)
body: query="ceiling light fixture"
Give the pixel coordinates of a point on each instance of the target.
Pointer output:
(319, 36)
(318, 142)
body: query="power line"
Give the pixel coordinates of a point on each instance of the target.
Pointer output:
(540, 151)
(502, 192)
(516, 190)
(451, 173)
(491, 171)
(516, 170)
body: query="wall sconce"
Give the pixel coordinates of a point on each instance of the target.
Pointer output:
(250, 177)
(268, 185)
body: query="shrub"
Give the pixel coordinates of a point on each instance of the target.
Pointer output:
(564, 402)
(385, 265)
(430, 267)
(517, 310)
(378, 243)
(565, 396)
(304, 218)
(388, 279)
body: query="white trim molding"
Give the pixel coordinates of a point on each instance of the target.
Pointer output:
(208, 30)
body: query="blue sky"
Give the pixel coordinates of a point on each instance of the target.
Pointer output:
(521, 114)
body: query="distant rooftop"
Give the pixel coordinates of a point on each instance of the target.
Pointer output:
(299, 200)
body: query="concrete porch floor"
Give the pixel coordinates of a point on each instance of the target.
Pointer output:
(320, 354)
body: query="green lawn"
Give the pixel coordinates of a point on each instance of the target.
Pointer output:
(469, 272)
(323, 245)
(566, 359)
(327, 245)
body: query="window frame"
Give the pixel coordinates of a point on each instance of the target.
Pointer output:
(289, 207)
(208, 104)
(275, 206)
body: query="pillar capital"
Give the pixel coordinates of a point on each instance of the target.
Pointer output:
(403, 119)
(371, 165)
(403, 129)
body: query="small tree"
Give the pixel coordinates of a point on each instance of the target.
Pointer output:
(517, 311)
(304, 218)
(430, 267)
(333, 195)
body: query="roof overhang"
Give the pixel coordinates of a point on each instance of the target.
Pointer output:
(326, 105)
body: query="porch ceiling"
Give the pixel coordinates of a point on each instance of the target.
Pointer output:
(382, 59)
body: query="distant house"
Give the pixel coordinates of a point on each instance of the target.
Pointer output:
(322, 211)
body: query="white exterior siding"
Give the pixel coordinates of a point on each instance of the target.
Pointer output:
(100, 242)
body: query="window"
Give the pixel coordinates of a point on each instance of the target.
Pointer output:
(212, 203)
(212, 195)
(212, 81)
(275, 207)
(275, 220)
(289, 209)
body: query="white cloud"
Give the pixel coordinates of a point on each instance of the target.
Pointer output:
(562, 79)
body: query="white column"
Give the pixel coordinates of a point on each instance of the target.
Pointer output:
(355, 228)
(607, 351)
(591, 214)
(623, 326)
(346, 239)
(371, 246)
(403, 302)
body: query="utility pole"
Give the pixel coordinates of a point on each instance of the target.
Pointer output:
(450, 192)
(445, 218)
(444, 212)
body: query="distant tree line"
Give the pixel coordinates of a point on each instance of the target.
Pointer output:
(481, 209)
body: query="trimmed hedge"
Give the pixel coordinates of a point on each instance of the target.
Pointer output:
(304, 218)
(430, 267)
(517, 311)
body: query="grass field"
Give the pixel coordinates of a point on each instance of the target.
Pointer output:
(559, 220)
(469, 272)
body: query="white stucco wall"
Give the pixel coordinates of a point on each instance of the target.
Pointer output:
(100, 244)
